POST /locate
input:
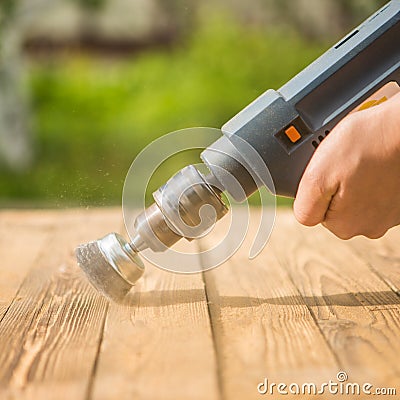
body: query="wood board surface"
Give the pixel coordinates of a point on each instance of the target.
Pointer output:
(308, 307)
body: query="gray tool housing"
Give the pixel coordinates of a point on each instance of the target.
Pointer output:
(313, 102)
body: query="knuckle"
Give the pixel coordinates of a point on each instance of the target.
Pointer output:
(339, 230)
(348, 123)
(314, 178)
(343, 234)
(375, 234)
(346, 232)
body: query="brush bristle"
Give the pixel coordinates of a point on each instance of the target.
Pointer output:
(100, 273)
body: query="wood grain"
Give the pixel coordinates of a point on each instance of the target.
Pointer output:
(357, 311)
(50, 334)
(308, 306)
(382, 256)
(158, 345)
(22, 237)
(262, 325)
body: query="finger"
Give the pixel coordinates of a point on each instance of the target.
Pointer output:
(313, 196)
(339, 231)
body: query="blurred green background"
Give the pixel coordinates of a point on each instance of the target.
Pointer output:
(86, 84)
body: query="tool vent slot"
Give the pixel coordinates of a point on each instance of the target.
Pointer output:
(341, 91)
(317, 142)
(346, 39)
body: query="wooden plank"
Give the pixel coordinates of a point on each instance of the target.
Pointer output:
(262, 326)
(382, 256)
(158, 345)
(304, 309)
(20, 245)
(357, 312)
(50, 335)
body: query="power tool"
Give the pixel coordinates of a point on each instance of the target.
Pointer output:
(284, 127)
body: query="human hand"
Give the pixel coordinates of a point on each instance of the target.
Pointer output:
(352, 183)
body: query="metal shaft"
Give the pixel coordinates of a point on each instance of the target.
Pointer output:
(187, 206)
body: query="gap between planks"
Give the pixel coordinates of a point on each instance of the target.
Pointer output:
(291, 288)
(161, 337)
(53, 319)
(262, 327)
(361, 320)
(348, 303)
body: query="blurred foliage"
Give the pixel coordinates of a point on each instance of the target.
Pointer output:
(7, 6)
(93, 115)
(91, 4)
(7, 9)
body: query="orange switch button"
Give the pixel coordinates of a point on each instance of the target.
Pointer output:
(293, 134)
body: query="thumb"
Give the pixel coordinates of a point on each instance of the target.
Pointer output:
(314, 194)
